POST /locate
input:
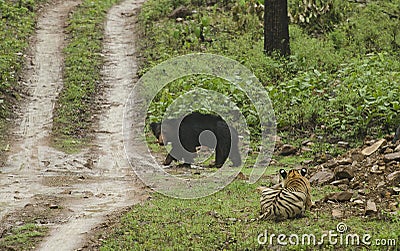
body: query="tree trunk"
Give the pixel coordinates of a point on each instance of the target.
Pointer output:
(276, 27)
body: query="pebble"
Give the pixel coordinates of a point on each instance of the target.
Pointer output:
(370, 208)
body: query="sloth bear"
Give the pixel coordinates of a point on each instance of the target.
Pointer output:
(196, 129)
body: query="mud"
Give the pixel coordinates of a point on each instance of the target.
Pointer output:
(71, 194)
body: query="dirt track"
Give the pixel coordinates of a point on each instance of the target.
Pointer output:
(71, 193)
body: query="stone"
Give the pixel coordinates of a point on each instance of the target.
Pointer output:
(397, 149)
(344, 172)
(394, 178)
(288, 150)
(331, 164)
(340, 182)
(322, 177)
(391, 156)
(358, 202)
(343, 144)
(357, 156)
(381, 184)
(336, 213)
(346, 161)
(370, 208)
(305, 149)
(375, 170)
(53, 206)
(375, 146)
(339, 197)
(396, 190)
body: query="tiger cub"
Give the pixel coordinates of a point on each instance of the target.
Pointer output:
(289, 201)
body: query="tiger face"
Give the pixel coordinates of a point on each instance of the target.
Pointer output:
(297, 182)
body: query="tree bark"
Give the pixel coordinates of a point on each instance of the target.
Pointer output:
(276, 27)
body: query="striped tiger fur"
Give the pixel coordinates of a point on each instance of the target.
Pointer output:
(291, 200)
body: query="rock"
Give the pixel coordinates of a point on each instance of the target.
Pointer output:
(331, 164)
(381, 184)
(322, 177)
(339, 197)
(396, 190)
(340, 182)
(288, 150)
(53, 206)
(388, 150)
(391, 156)
(346, 161)
(376, 170)
(397, 149)
(357, 156)
(370, 208)
(394, 178)
(393, 206)
(343, 144)
(358, 202)
(343, 187)
(305, 149)
(371, 149)
(344, 172)
(336, 213)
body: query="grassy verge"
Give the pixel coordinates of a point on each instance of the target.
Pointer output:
(17, 22)
(23, 238)
(227, 221)
(76, 104)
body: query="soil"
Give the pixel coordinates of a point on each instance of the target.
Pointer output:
(70, 193)
(365, 178)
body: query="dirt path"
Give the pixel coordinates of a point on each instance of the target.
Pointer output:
(72, 192)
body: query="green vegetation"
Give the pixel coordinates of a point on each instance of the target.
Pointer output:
(23, 238)
(83, 62)
(227, 221)
(17, 22)
(340, 83)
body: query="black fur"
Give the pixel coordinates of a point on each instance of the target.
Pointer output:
(397, 135)
(190, 129)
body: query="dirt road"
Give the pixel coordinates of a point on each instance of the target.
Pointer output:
(71, 193)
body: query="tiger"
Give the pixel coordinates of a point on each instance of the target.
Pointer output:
(290, 200)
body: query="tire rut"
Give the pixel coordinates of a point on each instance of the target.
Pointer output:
(92, 184)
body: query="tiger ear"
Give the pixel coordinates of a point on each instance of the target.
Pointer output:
(283, 173)
(303, 171)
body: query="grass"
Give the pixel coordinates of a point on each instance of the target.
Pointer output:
(23, 238)
(227, 221)
(17, 22)
(76, 105)
(340, 83)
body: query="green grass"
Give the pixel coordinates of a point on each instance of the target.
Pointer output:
(340, 83)
(83, 61)
(17, 22)
(226, 221)
(23, 238)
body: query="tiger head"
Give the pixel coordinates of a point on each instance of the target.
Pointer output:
(296, 181)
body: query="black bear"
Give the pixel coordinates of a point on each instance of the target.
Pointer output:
(198, 129)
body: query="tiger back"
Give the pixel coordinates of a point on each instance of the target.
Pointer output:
(289, 201)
